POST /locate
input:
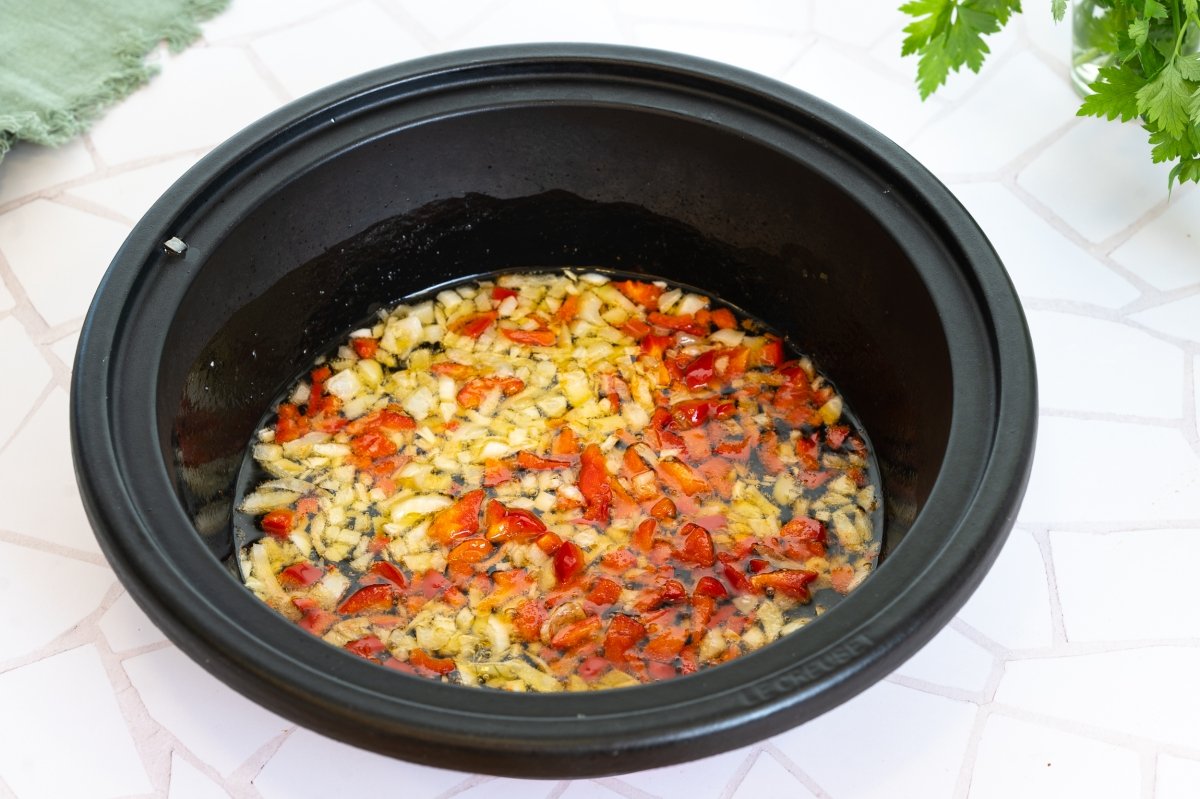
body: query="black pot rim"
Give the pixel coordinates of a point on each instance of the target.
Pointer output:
(794, 680)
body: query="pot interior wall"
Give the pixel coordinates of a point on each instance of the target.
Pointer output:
(406, 209)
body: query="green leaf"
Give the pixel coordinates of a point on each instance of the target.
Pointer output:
(1139, 30)
(1191, 7)
(1165, 100)
(1194, 110)
(965, 44)
(932, 17)
(1189, 66)
(948, 34)
(1114, 94)
(1164, 147)
(1000, 9)
(933, 68)
(1155, 10)
(1059, 8)
(1185, 170)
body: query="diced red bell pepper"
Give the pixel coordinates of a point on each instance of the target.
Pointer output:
(549, 543)
(806, 529)
(835, 435)
(736, 578)
(604, 592)
(495, 472)
(472, 550)
(685, 322)
(724, 319)
(618, 560)
(643, 537)
(681, 477)
(841, 577)
(534, 338)
(697, 545)
(565, 442)
(771, 353)
(702, 613)
(594, 484)
(711, 587)
(474, 326)
(624, 632)
(636, 329)
(300, 575)
(314, 618)
(373, 445)
(515, 524)
(471, 395)
(568, 561)
(665, 646)
(460, 520)
(372, 598)
(791, 582)
(453, 370)
(669, 593)
(423, 660)
(289, 425)
(655, 346)
(390, 572)
(365, 347)
(690, 413)
(499, 293)
(511, 581)
(366, 647)
(536, 463)
(663, 509)
(278, 523)
(644, 294)
(528, 619)
(569, 308)
(576, 633)
(699, 373)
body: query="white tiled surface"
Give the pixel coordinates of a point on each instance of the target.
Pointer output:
(1070, 673)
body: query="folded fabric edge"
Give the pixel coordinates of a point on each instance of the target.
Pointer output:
(60, 126)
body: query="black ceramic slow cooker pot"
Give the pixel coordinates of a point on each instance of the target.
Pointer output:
(647, 162)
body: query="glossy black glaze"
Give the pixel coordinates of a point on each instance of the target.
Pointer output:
(438, 169)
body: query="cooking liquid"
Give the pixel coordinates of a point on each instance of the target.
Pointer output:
(786, 524)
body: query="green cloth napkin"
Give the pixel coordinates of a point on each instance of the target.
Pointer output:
(63, 61)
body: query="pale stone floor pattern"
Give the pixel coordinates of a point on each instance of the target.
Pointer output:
(1071, 672)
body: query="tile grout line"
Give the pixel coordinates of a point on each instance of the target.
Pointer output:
(951, 692)
(1091, 311)
(1105, 416)
(621, 788)
(240, 782)
(739, 774)
(52, 548)
(966, 769)
(791, 766)
(1058, 624)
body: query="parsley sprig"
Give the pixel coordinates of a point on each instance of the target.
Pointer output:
(1149, 75)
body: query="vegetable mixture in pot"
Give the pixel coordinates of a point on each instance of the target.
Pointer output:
(560, 482)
